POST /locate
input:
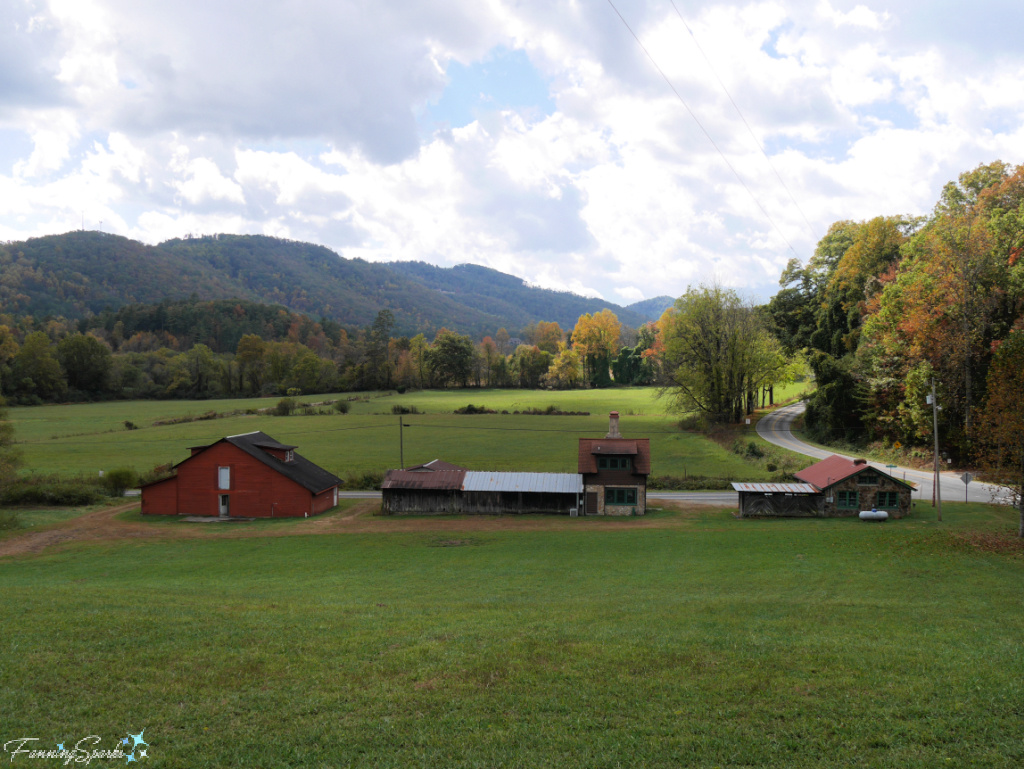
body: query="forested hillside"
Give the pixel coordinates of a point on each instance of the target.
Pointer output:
(886, 306)
(491, 291)
(79, 274)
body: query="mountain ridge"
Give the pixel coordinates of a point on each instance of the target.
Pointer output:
(81, 273)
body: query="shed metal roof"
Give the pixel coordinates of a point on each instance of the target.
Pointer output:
(776, 488)
(440, 480)
(548, 483)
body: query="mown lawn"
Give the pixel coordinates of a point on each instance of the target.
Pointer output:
(87, 438)
(711, 642)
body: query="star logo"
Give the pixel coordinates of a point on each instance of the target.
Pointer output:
(137, 738)
(124, 741)
(143, 754)
(61, 747)
(131, 758)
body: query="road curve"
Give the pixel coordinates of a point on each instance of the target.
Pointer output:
(776, 428)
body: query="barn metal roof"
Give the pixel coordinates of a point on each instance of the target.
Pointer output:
(776, 488)
(440, 480)
(550, 483)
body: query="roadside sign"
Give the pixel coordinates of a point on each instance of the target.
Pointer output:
(966, 478)
(897, 445)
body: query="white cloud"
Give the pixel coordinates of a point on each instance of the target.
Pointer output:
(302, 123)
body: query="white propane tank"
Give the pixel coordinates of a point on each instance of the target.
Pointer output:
(874, 515)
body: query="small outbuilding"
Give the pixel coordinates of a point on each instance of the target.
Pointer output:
(852, 485)
(782, 500)
(834, 487)
(246, 476)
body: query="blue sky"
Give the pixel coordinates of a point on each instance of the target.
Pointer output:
(531, 136)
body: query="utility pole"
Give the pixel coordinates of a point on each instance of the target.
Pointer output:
(401, 443)
(937, 488)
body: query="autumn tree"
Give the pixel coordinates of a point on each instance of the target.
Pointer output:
(596, 339)
(251, 365)
(564, 372)
(1001, 425)
(35, 369)
(710, 345)
(86, 362)
(9, 457)
(450, 359)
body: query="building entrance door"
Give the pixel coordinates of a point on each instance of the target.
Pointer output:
(224, 505)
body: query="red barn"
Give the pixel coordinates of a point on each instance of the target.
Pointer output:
(245, 476)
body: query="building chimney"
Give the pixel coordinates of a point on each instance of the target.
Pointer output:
(613, 425)
(860, 461)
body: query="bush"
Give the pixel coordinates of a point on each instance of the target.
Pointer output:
(129, 425)
(285, 407)
(397, 409)
(689, 483)
(369, 480)
(119, 479)
(471, 409)
(50, 490)
(341, 407)
(9, 520)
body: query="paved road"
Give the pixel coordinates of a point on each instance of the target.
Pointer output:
(776, 428)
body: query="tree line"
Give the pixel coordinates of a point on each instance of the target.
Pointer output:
(889, 306)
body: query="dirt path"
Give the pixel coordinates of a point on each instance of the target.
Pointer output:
(104, 526)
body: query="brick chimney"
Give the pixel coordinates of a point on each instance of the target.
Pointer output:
(613, 425)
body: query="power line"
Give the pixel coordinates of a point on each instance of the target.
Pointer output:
(744, 119)
(703, 129)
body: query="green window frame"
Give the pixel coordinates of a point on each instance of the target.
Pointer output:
(614, 463)
(847, 500)
(888, 499)
(867, 479)
(619, 496)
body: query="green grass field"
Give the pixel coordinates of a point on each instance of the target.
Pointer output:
(711, 642)
(87, 438)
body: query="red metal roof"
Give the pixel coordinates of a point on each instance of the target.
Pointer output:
(439, 480)
(639, 448)
(833, 469)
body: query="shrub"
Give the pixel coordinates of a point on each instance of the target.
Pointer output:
(370, 479)
(398, 409)
(285, 407)
(400, 389)
(9, 520)
(292, 392)
(471, 409)
(341, 407)
(119, 479)
(689, 483)
(129, 425)
(50, 490)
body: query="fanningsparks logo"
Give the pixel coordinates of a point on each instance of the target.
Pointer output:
(131, 748)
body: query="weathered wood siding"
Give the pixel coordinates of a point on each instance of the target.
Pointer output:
(757, 504)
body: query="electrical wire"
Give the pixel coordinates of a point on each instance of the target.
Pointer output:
(703, 129)
(750, 130)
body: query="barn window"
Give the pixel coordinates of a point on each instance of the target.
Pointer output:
(619, 496)
(289, 456)
(867, 479)
(888, 499)
(847, 500)
(613, 463)
(224, 478)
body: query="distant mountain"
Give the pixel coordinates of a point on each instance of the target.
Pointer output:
(491, 291)
(79, 273)
(652, 309)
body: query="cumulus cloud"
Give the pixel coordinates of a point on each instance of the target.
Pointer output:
(310, 122)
